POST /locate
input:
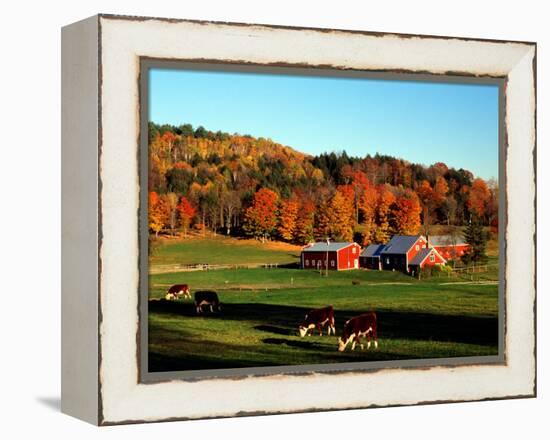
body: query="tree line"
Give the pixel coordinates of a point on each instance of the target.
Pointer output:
(241, 185)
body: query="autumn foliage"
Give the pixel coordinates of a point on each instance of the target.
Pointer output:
(186, 213)
(260, 219)
(406, 213)
(288, 216)
(158, 212)
(241, 185)
(478, 199)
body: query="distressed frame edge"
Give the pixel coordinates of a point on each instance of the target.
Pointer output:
(147, 377)
(105, 422)
(123, 17)
(80, 396)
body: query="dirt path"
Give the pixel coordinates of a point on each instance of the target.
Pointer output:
(483, 283)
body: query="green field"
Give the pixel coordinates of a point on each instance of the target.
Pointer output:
(261, 308)
(221, 250)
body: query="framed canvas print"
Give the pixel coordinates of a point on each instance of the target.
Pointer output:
(262, 219)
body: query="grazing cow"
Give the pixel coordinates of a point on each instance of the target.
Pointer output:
(318, 318)
(170, 297)
(362, 325)
(207, 298)
(178, 290)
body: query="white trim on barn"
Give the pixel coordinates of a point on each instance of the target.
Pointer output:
(428, 254)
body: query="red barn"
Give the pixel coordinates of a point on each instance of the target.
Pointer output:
(426, 257)
(449, 247)
(401, 250)
(339, 256)
(408, 253)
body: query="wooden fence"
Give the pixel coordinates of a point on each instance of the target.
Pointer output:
(165, 268)
(471, 269)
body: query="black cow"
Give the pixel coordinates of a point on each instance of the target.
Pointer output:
(318, 318)
(207, 298)
(362, 325)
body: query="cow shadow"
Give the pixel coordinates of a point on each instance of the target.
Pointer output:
(292, 343)
(275, 330)
(182, 307)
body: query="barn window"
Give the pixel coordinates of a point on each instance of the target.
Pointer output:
(432, 258)
(417, 247)
(307, 262)
(387, 261)
(332, 263)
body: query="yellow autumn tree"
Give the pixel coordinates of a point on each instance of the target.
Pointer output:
(288, 214)
(341, 214)
(383, 214)
(159, 212)
(367, 207)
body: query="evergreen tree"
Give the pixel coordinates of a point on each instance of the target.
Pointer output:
(476, 237)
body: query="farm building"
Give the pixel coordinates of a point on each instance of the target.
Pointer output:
(426, 257)
(409, 252)
(370, 257)
(339, 256)
(449, 247)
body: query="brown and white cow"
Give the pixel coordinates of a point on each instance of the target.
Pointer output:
(207, 298)
(318, 318)
(178, 290)
(354, 328)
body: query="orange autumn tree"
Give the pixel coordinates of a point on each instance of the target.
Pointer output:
(260, 219)
(386, 199)
(367, 208)
(288, 214)
(159, 212)
(186, 212)
(322, 221)
(406, 213)
(356, 181)
(478, 198)
(441, 188)
(426, 195)
(303, 232)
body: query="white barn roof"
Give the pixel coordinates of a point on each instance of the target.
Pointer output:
(446, 240)
(321, 246)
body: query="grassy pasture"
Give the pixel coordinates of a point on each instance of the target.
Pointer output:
(432, 318)
(222, 250)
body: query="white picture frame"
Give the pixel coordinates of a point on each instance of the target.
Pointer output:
(101, 59)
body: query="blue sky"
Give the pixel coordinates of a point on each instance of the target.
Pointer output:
(418, 121)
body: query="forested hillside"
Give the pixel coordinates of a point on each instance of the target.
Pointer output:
(240, 185)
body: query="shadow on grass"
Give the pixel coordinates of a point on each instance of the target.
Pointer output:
(275, 330)
(292, 343)
(202, 355)
(283, 320)
(289, 266)
(165, 363)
